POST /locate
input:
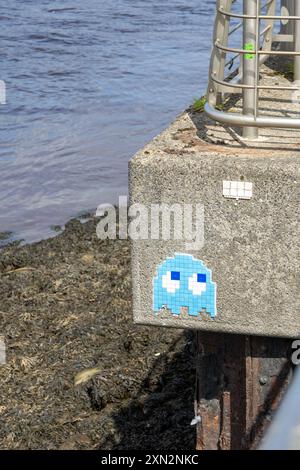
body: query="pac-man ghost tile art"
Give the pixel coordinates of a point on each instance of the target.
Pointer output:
(184, 281)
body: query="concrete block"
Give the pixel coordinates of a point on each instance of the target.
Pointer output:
(251, 244)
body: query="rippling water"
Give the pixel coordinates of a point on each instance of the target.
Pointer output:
(88, 83)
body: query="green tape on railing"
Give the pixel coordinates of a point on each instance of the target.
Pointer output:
(249, 47)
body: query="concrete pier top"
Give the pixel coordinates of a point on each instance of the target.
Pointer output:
(248, 263)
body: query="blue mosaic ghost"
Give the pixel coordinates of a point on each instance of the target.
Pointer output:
(184, 281)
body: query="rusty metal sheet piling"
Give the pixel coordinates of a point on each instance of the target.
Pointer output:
(240, 383)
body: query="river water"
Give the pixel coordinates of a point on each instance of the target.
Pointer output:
(87, 84)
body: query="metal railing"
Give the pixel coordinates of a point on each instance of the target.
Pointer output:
(240, 73)
(284, 432)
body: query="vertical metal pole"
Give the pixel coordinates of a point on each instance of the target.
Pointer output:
(297, 42)
(217, 63)
(288, 26)
(249, 66)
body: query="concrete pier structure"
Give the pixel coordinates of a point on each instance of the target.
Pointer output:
(251, 241)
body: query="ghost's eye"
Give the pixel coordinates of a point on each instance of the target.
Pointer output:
(197, 283)
(175, 275)
(201, 277)
(171, 281)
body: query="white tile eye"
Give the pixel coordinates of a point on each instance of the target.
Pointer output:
(196, 287)
(169, 284)
(237, 189)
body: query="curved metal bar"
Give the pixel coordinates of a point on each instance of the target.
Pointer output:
(241, 120)
(243, 51)
(251, 87)
(236, 15)
(253, 17)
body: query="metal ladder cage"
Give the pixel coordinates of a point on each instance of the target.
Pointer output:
(237, 70)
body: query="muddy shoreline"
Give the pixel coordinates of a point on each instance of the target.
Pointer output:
(65, 308)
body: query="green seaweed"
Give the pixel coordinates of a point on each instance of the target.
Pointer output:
(199, 104)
